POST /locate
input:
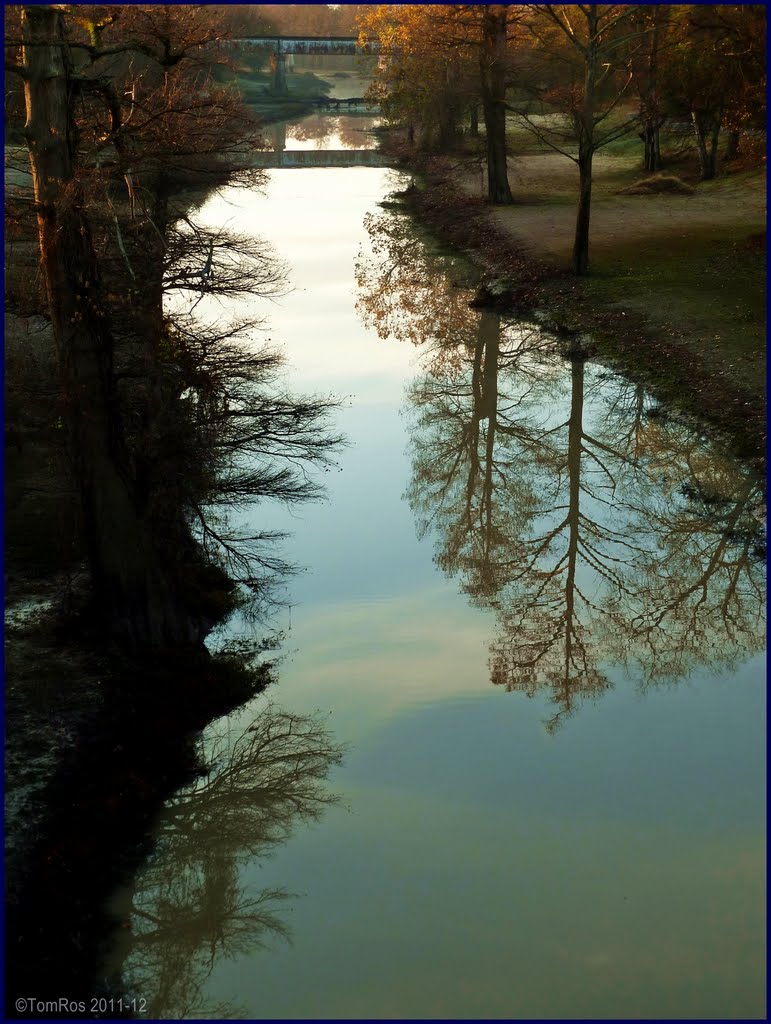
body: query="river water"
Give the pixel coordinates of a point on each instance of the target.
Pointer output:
(513, 765)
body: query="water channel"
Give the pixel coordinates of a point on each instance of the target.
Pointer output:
(513, 765)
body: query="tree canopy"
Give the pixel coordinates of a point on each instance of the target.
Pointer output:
(578, 76)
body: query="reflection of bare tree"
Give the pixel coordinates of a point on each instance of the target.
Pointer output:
(314, 128)
(463, 487)
(553, 617)
(703, 599)
(189, 907)
(626, 416)
(404, 293)
(671, 584)
(554, 571)
(350, 132)
(599, 533)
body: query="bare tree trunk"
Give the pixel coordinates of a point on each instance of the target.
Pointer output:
(573, 516)
(701, 145)
(485, 391)
(651, 139)
(585, 130)
(706, 124)
(133, 590)
(490, 335)
(732, 147)
(714, 139)
(492, 59)
(651, 115)
(584, 121)
(474, 121)
(490, 330)
(447, 135)
(581, 242)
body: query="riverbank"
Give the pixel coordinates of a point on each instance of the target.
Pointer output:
(97, 749)
(94, 743)
(676, 293)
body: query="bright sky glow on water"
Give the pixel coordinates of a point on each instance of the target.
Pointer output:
(479, 865)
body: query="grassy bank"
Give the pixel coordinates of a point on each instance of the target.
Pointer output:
(676, 290)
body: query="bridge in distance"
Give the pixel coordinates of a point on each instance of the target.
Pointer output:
(294, 45)
(289, 158)
(281, 47)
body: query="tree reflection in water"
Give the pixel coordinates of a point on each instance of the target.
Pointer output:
(600, 532)
(345, 131)
(189, 907)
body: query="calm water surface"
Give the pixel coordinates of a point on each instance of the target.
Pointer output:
(533, 614)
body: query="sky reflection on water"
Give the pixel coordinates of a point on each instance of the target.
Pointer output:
(478, 865)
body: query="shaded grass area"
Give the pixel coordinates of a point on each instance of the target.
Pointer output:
(688, 326)
(708, 288)
(684, 311)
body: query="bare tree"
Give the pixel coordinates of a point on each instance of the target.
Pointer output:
(127, 565)
(590, 47)
(165, 419)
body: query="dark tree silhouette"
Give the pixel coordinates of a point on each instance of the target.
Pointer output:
(169, 418)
